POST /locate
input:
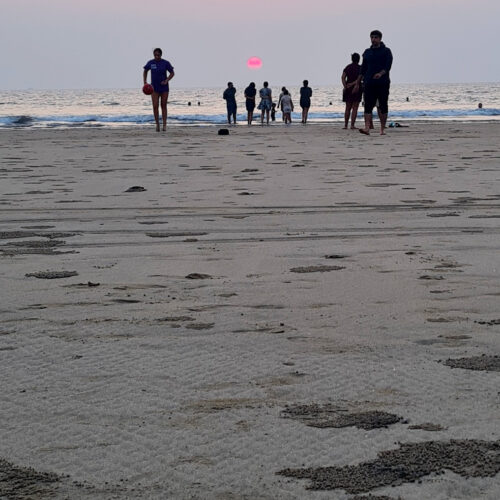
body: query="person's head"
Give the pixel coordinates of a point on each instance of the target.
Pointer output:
(480, 105)
(266, 84)
(305, 83)
(252, 85)
(229, 84)
(355, 58)
(285, 92)
(376, 37)
(157, 53)
(283, 89)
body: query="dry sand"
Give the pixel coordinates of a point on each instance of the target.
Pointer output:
(275, 304)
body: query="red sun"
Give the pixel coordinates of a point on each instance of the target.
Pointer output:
(254, 63)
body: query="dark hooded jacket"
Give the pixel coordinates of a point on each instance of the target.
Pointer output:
(375, 60)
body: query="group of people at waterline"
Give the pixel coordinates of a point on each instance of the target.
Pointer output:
(368, 81)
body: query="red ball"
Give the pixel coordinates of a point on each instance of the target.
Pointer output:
(148, 89)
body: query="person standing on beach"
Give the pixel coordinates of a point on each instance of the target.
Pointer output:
(305, 100)
(282, 93)
(161, 73)
(352, 99)
(287, 107)
(266, 102)
(230, 97)
(377, 63)
(250, 93)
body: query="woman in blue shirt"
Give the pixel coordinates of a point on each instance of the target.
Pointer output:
(161, 73)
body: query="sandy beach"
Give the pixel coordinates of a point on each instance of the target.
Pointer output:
(280, 313)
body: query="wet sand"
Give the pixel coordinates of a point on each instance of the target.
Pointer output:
(187, 315)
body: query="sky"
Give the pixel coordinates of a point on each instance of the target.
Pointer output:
(61, 44)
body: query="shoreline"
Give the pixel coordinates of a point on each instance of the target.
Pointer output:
(242, 123)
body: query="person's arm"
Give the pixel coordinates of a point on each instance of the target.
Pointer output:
(361, 75)
(145, 76)
(343, 79)
(169, 77)
(387, 65)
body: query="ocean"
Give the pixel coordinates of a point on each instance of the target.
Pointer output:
(197, 106)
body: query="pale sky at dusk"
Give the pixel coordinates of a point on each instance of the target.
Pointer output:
(105, 43)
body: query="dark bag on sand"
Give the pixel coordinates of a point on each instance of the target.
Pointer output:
(223, 131)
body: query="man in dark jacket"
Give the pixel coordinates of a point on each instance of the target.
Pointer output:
(377, 62)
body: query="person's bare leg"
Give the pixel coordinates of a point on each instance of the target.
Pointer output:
(383, 121)
(234, 118)
(155, 99)
(347, 114)
(267, 116)
(354, 114)
(305, 113)
(368, 121)
(262, 117)
(164, 100)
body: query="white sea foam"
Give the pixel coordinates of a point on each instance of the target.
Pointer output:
(205, 106)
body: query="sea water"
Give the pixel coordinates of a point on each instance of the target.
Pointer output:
(205, 106)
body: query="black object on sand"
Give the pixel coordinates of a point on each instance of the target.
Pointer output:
(223, 131)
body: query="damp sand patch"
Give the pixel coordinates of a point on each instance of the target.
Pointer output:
(52, 275)
(427, 426)
(32, 247)
(7, 235)
(324, 416)
(491, 322)
(173, 234)
(25, 482)
(477, 363)
(316, 269)
(410, 462)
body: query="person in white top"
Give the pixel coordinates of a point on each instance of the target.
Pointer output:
(287, 106)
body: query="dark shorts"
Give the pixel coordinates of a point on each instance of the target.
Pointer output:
(250, 104)
(160, 88)
(265, 105)
(305, 103)
(374, 92)
(231, 107)
(351, 97)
